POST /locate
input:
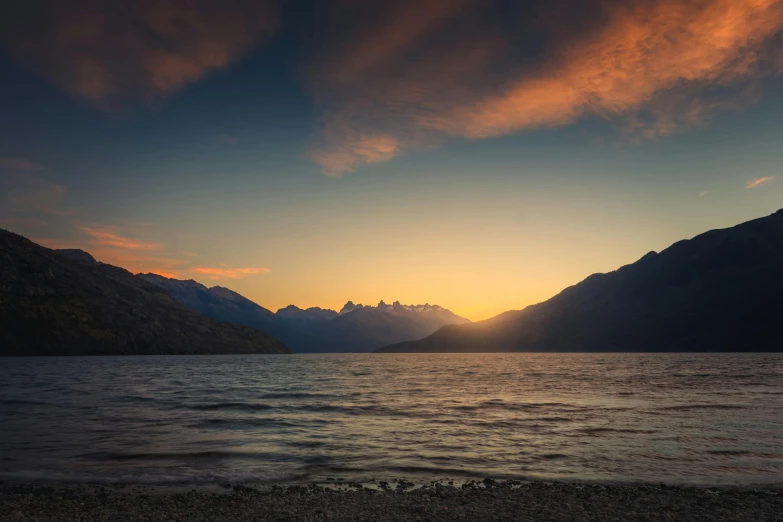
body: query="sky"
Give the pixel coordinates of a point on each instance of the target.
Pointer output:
(480, 155)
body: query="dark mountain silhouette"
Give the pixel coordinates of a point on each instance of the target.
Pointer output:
(720, 291)
(66, 303)
(357, 328)
(77, 255)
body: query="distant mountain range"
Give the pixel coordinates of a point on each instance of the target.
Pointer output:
(67, 303)
(359, 328)
(356, 328)
(720, 291)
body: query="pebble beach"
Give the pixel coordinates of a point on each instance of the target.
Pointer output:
(486, 500)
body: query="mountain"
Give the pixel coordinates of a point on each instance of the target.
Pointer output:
(218, 303)
(356, 328)
(226, 305)
(720, 291)
(308, 318)
(66, 303)
(359, 328)
(77, 255)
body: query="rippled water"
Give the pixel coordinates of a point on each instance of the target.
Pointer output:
(691, 418)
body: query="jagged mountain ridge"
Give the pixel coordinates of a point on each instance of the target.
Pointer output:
(720, 291)
(364, 326)
(356, 328)
(66, 303)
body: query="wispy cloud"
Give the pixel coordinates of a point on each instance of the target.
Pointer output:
(139, 261)
(18, 164)
(365, 149)
(114, 245)
(658, 66)
(226, 273)
(109, 238)
(127, 245)
(703, 193)
(105, 52)
(758, 182)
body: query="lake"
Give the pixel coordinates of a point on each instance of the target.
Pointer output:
(676, 418)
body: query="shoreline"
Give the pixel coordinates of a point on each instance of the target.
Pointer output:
(385, 501)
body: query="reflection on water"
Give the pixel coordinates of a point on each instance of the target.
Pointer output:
(692, 418)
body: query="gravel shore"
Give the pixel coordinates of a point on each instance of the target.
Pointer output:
(474, 501)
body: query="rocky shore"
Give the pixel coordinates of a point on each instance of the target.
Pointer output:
(487, 501)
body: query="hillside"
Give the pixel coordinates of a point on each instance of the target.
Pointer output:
(720, 291)
(218, 303)
(68, 304)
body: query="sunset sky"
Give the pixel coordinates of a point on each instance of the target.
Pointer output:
(475, 154)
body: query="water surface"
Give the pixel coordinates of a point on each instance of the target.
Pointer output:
(685, 418)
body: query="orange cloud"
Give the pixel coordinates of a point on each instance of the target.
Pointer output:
(108, 245)
(226, 273)
(362, 150)
(642, 51)
(140, 262)
(758, 182)
(127, 256)
(660, 65)
(107, 237)
(18, 164)
(135, 49)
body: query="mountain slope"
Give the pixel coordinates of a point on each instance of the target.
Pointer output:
(218, 303)
(226, 305)
(720, 291)
(67, 304)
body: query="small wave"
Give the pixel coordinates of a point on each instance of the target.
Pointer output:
(139, 398)
(305, 443)
(732, 453)
(685, 407)
(53, 476)
(598, 430)
(243, 406)
(554, 456)
(294, 395)
(499, 404)
(26, 402)
(356, 409)
(241, 423)
(689, 375)
(440, 470)
(179, 456)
